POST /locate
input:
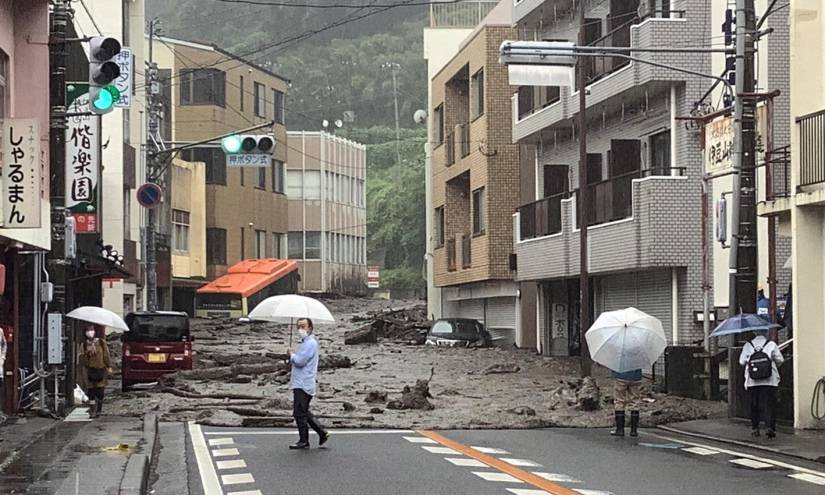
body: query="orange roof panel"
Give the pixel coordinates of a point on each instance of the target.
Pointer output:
(249, 276)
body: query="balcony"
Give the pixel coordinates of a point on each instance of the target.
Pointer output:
(778, 168)
(811, 149)
(449, 148)
(464, 138)
(451, 261)
(466, 251)
(541, 218)
(636, 223)
(467, 14)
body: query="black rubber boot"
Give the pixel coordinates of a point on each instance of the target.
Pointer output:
(619, 430)
(634, 423)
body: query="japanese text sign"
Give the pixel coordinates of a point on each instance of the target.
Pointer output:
(82, 165)
(21, 162)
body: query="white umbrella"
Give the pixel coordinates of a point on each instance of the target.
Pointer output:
(99, 316)
(626, 340)
(290, 307)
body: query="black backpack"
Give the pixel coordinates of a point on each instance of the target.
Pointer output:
(759, 365)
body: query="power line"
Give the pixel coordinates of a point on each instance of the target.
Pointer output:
(83, 3)
(338, 5)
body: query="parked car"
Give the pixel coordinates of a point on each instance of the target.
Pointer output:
(156, 344)
(459, 332)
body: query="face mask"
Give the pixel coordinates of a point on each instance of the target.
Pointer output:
(302, 332)
(90, 334)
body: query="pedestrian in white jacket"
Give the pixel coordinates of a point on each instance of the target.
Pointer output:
(762, 391)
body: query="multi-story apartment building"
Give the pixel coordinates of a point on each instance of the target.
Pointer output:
(475, 180)
(449, 25)
(188, 250)
(799, 205)
(211, 92)
(326, 187)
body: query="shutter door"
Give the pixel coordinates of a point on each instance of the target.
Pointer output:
(655, 297)
(471, 308)
(501, 320)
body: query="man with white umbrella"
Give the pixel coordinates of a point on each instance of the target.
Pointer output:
(304, 370)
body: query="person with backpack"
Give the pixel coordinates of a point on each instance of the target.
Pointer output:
(761, 358)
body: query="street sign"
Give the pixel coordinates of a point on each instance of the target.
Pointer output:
(248, 160)
(20, 162)
(149, 195)
(373, 277)
(82, 160)
(123, 83)
(719, 141)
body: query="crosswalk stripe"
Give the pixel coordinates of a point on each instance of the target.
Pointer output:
(463, 461)
(490, 450)
(225, 452)
(700, 451)
(213, 442)
(419, 440)
(520, 462)
(236, 464)
(237, 479)
(248, 492)
(810, 478)
(527, 491)
(751, 463)
(594, 492)
(561, 478)
(440, 450)
(503, 477)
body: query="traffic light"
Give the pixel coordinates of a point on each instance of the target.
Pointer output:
(730, 37)
(250, 150)
(103, 71)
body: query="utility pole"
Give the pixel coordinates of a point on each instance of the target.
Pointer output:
(152, 169)
(583, 199)
(397, 119)
(743, 257)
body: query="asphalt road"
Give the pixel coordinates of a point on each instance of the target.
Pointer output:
(504, 462)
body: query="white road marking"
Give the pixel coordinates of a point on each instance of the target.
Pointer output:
(593, 492)
(751, 463)
(249, 492)
(810, 478)
(441, 450)
(747, 456)
(522, 491)
(700, 451)
(237, 479)
(419, 440)
(520, 462)
(225, 452)
(292, 432)
(561, 478)
(463, 461)
(489, 450)
(220, 441)
(503, 477)
(237, 464)
(209, 478)
(79, 414)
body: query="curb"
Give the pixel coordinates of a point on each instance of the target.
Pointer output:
(737, 443)
(136, 475)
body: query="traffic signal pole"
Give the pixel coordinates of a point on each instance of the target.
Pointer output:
(152, 168)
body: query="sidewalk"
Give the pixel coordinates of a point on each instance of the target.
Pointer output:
(803, 444)
(109, 455)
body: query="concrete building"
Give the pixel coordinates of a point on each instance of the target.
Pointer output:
(211, 93)
(449, 25)
(119, 217)
(475, 181)
(326, 187)
(801, 212)
(188, 204)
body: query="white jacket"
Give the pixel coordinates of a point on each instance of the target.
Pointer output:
(771, 349)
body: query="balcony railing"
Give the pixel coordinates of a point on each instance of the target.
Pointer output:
(599, 67)
(778, 168)
(811, 148)
(467, 14)
(451, 255)
(542, 217)
(449, 148)
(464, 136)
(466, 251)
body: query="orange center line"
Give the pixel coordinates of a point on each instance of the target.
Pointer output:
(500, 465)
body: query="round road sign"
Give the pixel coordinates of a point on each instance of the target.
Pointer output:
(149, 195)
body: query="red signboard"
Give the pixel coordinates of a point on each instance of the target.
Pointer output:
(86, 223)
(373, 277)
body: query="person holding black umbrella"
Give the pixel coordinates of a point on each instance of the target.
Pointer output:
(761, 358)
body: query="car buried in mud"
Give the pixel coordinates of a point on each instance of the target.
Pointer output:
(458, 332)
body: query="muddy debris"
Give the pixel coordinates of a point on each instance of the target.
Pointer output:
(405, 325)
(376, 396)
(376, 410)
(363, 335)
(334, 361)
(348, 406)
(500, 369)
(522, 411)
(415, 397)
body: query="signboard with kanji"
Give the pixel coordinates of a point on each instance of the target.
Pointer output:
(248, 160)
(20, 162)
(719, 136)
(373, 277)
(82, 161)
(124, 81)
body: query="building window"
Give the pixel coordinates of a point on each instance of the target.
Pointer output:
(215, 246)
(278, 106)
(242, 96)
(275, 248)
(438, 124)
(312, 184)
(439, 226)
(277, 176)
(477, 93)
(214, 159)
(479, 211)
(261, 178)
(313, 245)
(260, 244)
(295, 246)
(294, 184)
(260, 100)
(202, 87)
(180, 224)
(660, 153)
(4, 84)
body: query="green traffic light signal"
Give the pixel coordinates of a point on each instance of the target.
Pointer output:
(231, 144)
(106, 98)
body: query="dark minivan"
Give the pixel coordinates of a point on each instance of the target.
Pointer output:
(459, 332)
(156, 344)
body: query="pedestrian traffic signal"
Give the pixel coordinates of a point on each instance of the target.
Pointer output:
(103, 71)
(248, 150)
(730, 38)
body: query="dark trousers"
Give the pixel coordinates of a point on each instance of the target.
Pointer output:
(303, 418)
(763, 405)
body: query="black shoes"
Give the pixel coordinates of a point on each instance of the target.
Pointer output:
(619, 430)
(634, 423)
(299, 446)
(755, 433)
(322, 439)
(771, 434)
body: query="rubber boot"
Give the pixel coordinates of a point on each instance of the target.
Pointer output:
(619, 430)
(92, 409)
(99, 408)
(634, 423)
